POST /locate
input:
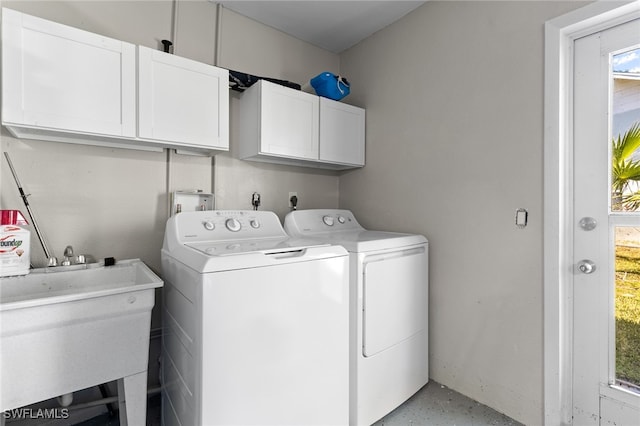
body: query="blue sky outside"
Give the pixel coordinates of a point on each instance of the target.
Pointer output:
(627, 62)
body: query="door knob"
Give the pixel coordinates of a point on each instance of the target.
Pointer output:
(586, 266)
(588, 223)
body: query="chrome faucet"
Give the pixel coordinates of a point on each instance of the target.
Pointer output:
(69, 258)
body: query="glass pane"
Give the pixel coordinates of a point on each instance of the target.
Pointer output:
(625, 132)
(627, 306)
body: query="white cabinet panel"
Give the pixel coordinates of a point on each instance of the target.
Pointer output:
(342, 132)
(182, 101)
(59, 77)
(289, 122)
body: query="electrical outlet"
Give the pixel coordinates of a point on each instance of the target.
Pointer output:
(255, 200)
(292, 194)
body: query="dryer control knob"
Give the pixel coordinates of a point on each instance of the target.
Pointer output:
(209, 226)
(341, 219)
(254, 223)
(233, 225)
(328, 220)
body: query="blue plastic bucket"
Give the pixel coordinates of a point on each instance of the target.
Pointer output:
(330, 86)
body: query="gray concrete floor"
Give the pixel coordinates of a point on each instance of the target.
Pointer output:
(433, 405)
(437, 405)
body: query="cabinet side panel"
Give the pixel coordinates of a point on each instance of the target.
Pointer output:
(223, 109)
(246, 123)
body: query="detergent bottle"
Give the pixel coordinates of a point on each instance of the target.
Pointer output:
(15, 240)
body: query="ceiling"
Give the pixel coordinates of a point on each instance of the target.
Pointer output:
(332, 25)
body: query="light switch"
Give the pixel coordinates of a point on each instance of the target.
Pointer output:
(522, 216)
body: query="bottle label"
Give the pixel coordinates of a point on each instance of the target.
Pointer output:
(14, 251)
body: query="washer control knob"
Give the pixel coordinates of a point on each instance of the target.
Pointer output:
(209, 226)
(254, 223)
(328, 220)
(341, 219)
(233, 225)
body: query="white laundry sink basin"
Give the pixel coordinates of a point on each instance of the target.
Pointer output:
(65, 329)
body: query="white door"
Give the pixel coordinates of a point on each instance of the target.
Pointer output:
(394, 298)
(182, 101)
(606, 295)
(341, 132)
(63, 78)
(289, 122)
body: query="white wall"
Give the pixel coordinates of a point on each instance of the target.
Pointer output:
(263, 51)
(454, 98)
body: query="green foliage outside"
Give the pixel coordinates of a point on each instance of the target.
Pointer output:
(625, 170)
(627, 313)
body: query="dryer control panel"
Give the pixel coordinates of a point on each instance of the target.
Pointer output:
(320, 220)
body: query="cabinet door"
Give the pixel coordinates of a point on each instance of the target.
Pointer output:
(289, 122)
(62, 78)
(182, 101)
(342, 134)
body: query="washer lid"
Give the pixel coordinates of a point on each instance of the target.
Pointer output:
(277, 255)
(241, 247)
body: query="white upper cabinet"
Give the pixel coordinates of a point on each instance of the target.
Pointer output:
(69, 85)
(63, 78)
(278, 124)
(342, 137)
(182, 101)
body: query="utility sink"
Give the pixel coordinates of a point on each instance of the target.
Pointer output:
(69, 328)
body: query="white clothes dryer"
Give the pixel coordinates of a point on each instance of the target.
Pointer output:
(256, 323)
(389, 308)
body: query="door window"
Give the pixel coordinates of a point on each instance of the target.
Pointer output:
(625, 202)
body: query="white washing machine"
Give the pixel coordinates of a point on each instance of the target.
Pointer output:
(389, 308)
(256, 323)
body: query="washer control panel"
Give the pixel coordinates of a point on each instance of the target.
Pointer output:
(233, 224)
(321, 220)
(225, 225)
(328, 220)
